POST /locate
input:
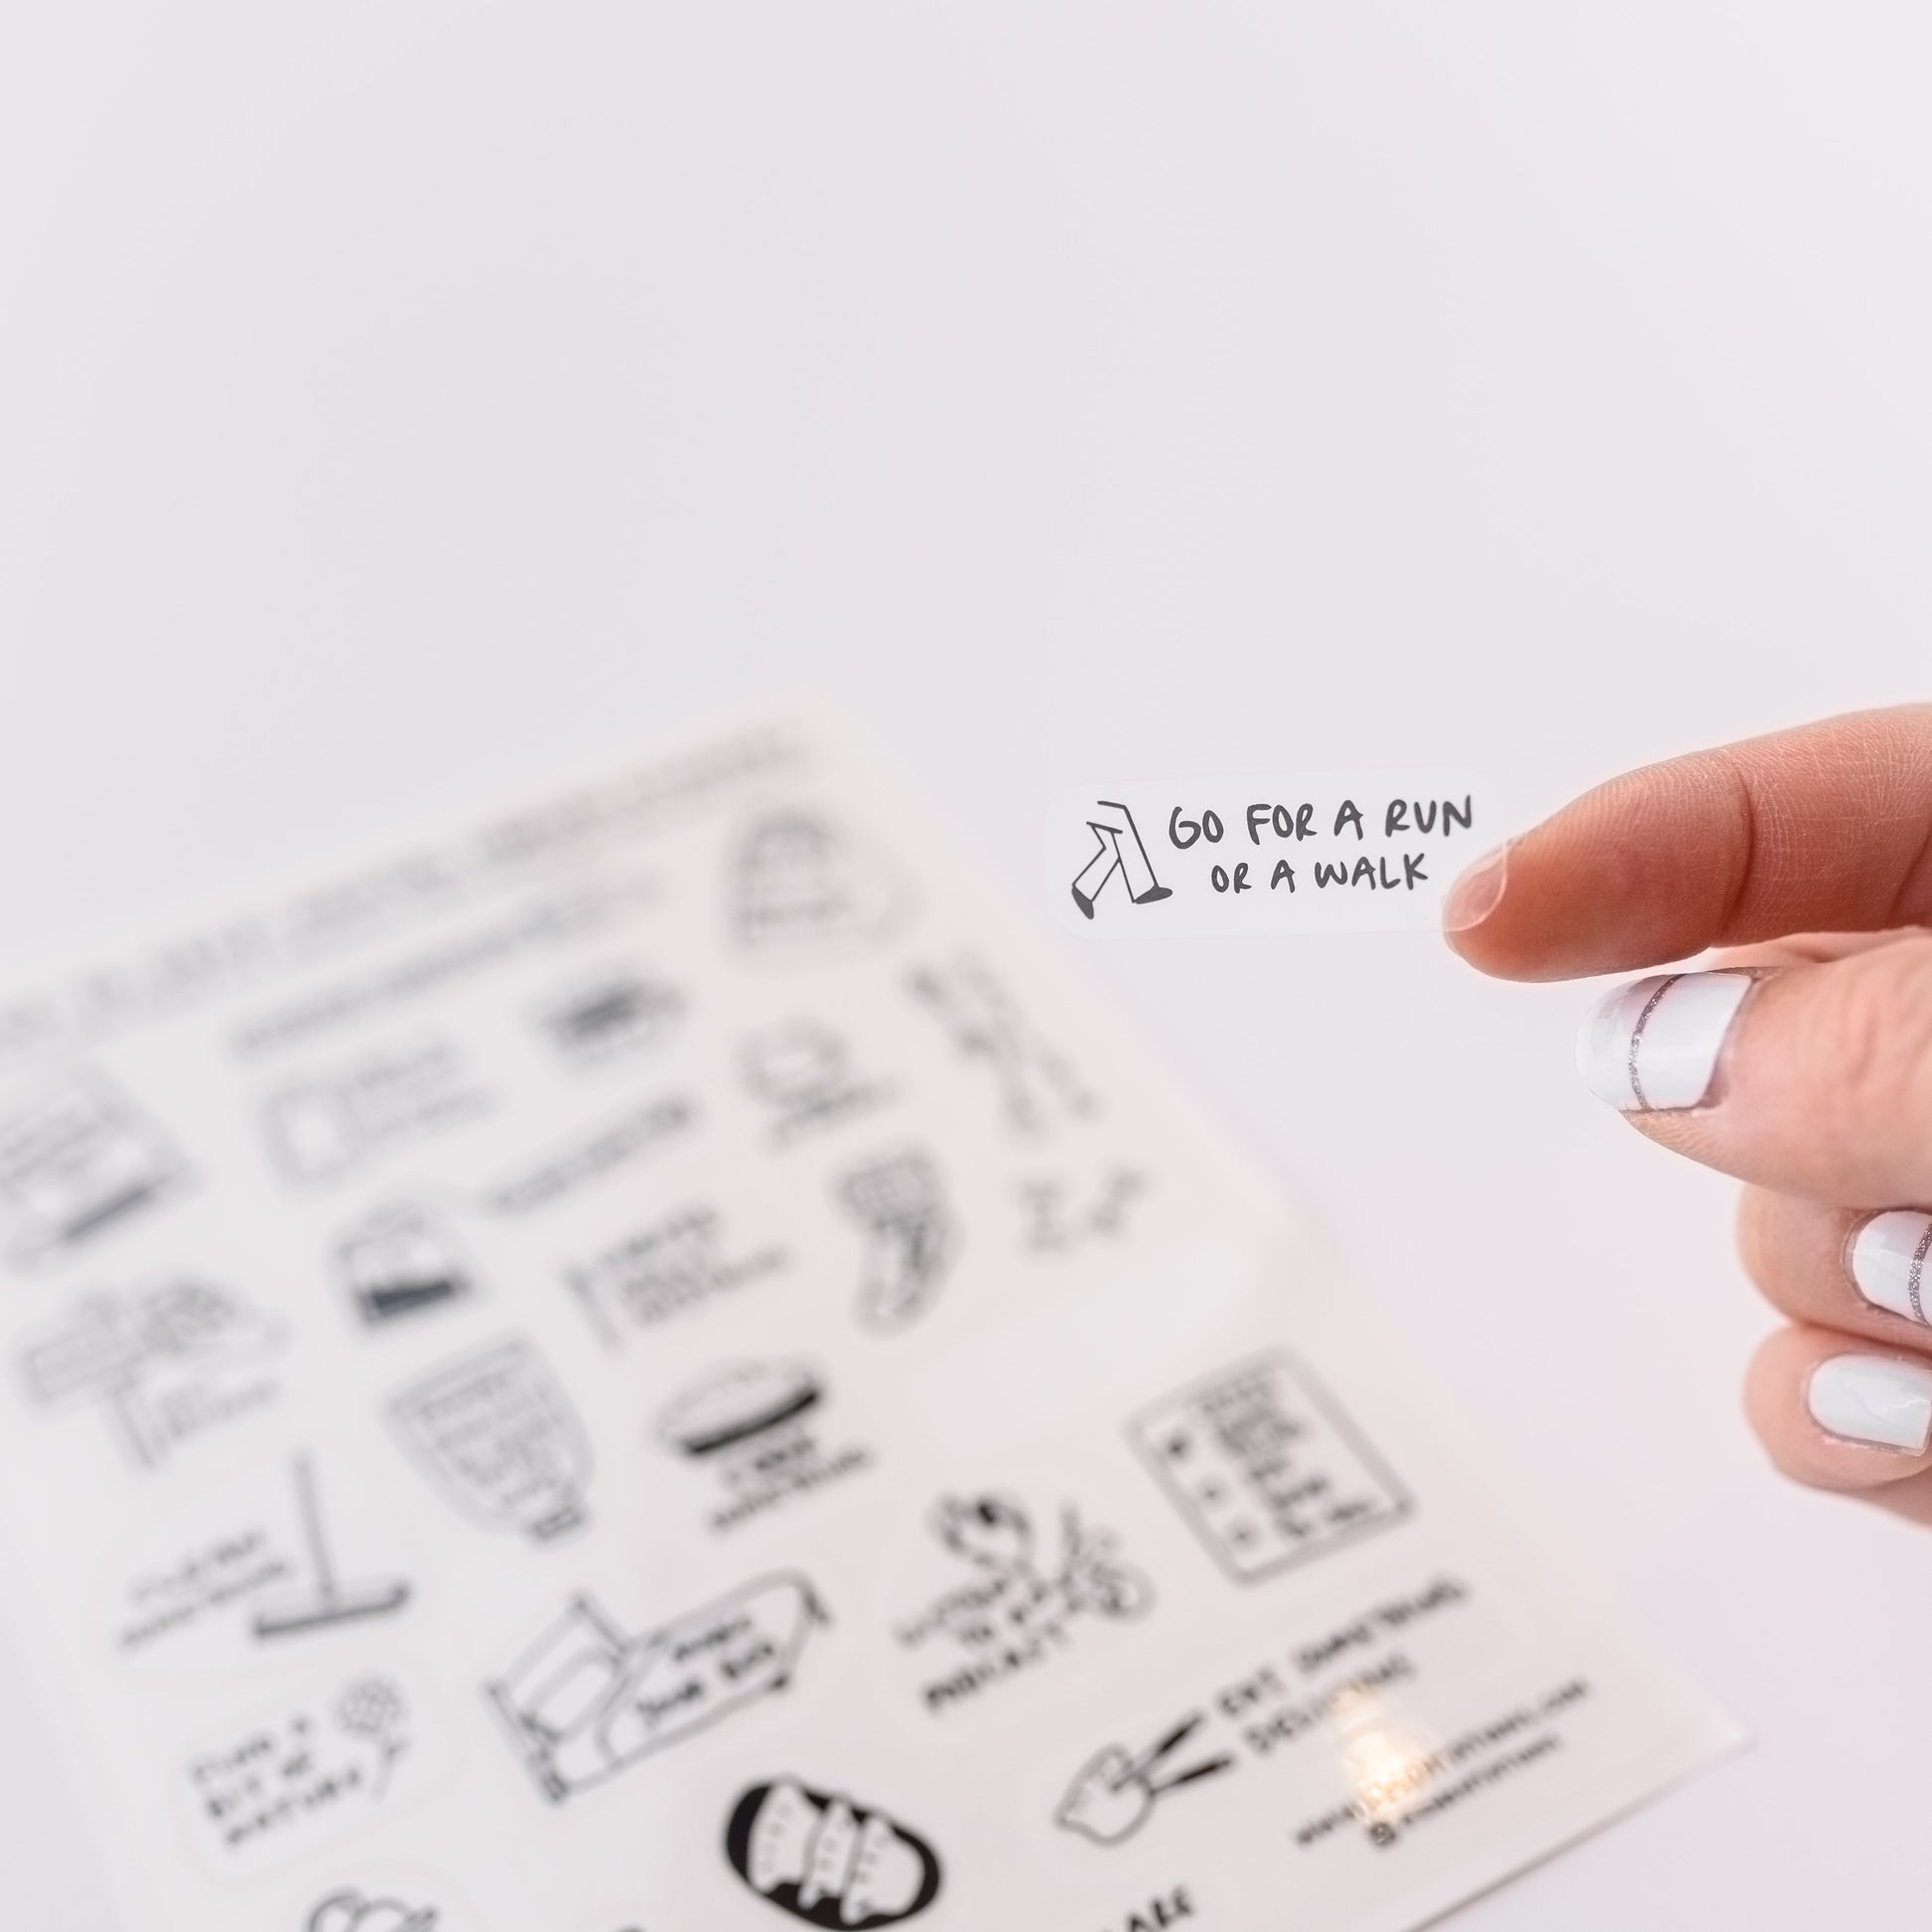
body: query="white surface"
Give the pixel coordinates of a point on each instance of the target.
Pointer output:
(393, 402)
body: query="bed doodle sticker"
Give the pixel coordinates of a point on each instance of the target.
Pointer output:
(302, 1772)
(586, 1701)
(1264, 1466)
(828, 1859)
(76, 1158)
(162, 1363)
(495, 1434)
(799, 1070)
(1025, 1593)
(897, 1199)
(665, 1268)
(609, 1015)
(399, 1258)
(758, 1429)
(322, 1129)
(802, 888)
(1036, 1087)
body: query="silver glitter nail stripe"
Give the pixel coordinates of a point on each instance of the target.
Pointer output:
(1636, 1033)
(1916, 1272)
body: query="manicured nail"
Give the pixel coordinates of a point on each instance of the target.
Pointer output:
(1654, 1043)
(1887, 1261)
(1872, 1399)
(1476, 892)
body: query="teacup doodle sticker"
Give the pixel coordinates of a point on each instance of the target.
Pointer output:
(1286, 852)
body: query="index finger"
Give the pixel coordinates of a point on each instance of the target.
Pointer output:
(1828, 827)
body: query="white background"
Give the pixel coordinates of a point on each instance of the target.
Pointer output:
(398, 402)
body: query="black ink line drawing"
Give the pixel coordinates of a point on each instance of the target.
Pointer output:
(1115, 824)
(166, 1362)
(76, 1158)
(375, 1710)
(757, 1424)
(1113, 1793)
(400, 1258)
(322, 1129)
(827, 1860)
(1039, 1087)
(1017, 1612)
(1265, 1467)
(911, 1236)
(673, 1264)
(799, 1070)
(800, 884)
(592, 1157)
(354, 1911)
(495, 1432)
(325, 1600)
(1061, 1215)
(586, 1701)
(319, 1757)
(619, 1012)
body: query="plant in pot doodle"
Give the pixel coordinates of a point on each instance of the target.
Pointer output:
(828, 1861)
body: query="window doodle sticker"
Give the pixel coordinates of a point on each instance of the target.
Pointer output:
(659, 1358)
(1307, 851)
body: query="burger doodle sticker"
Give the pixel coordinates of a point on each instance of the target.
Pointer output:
(828, 1861)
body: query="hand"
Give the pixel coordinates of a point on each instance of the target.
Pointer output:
(1799, 1060)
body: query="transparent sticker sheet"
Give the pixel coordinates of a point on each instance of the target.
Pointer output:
(665, 1361)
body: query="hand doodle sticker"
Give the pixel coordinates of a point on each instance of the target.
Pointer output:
(1113, 1792)
(827, 1861)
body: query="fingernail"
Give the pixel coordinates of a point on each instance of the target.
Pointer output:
(1476, 892)
(1887, 1261)
(1872, 1399)
(1654, 1043)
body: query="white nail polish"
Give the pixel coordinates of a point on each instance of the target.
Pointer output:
(1654, 1043)
(1888, 1262)
(1872, 1399)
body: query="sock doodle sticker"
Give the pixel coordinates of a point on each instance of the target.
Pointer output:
(663, 1360)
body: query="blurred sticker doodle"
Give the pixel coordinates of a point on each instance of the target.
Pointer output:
(586, 1701)
(324, 1599)
(897, 1198)
(1036, 1085)
(164, 1362)
(287, 1779)
(1111, 1795)
(611, 1014)
(498, 1435)
(1062, 1214)
(400, 1258)
(76, 1158)
(759, 1426)
(827, 1860)
(799, 1070)
(671, 1266)
(354, 1911)
(323, 1127)
(1265, 1467)
(1017, 1612)
(803, 887)
(591, 1158)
